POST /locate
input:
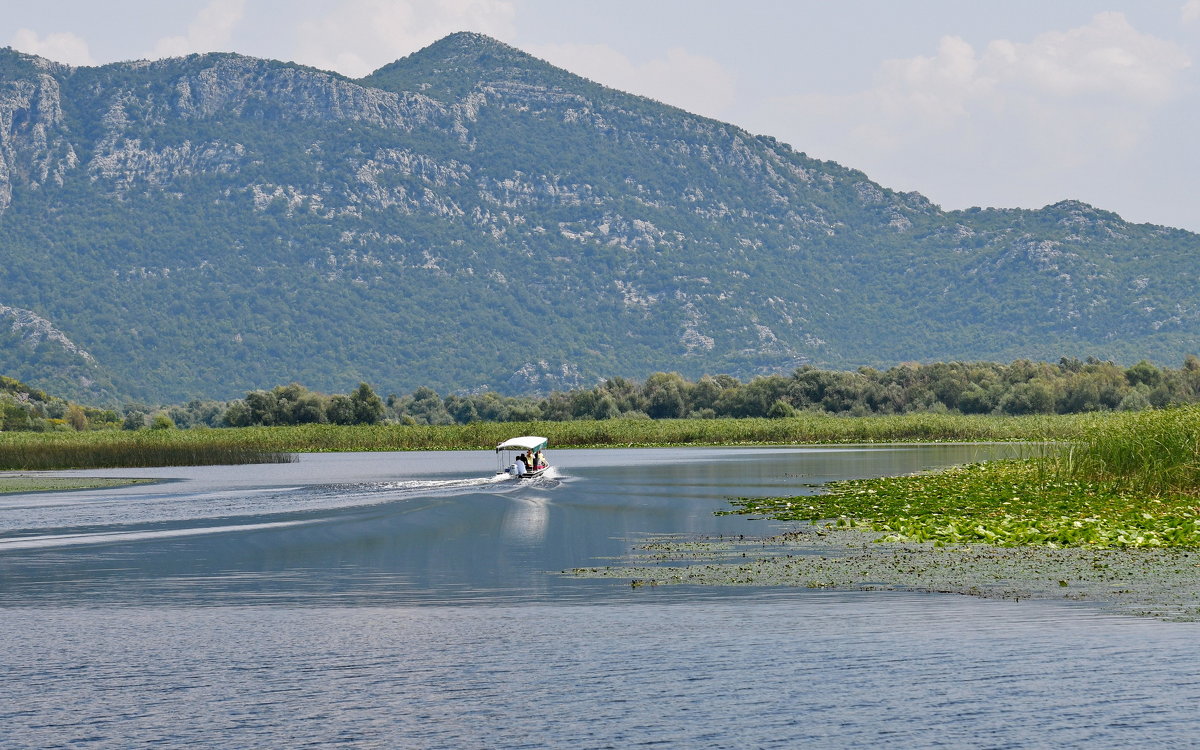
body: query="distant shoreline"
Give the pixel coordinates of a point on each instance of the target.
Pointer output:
(27, 451)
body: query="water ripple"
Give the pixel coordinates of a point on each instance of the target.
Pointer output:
(836, 670)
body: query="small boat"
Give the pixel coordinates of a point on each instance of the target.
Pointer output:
(506, 454)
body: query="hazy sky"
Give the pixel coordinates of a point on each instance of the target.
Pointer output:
(972, 103)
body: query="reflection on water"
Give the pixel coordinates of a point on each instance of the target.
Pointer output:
(395, 528)
(525, 522)
(410, 600)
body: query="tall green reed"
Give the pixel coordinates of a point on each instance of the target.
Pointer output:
(46, 452)
(254, 444)
(1151, 452)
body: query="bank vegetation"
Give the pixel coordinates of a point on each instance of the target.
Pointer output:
(60, 450)
(1023, 387)
(1121, 480)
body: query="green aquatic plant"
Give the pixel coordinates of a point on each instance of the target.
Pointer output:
(1123, 480)
(20, 483)
(1146, 581)
(1151, 453)
(1003, 503)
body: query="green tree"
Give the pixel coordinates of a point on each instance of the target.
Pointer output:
(341, 410)
(264, 408)
(367, 405)
(1145, 373)
(663, 395)
(606, 408)
(76, 417)
(463, 410)
(781, 409)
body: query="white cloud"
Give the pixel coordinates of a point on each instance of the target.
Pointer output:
(61, 47)
(1009, 125)
(1190, 11)
(693, 82)
(363, 35)
(1107, 57)
(209, 32)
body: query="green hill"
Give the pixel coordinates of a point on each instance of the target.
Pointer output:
(471, 217)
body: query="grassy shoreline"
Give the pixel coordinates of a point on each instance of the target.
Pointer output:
(1133, 481)
(1010, 503)
(61, 450)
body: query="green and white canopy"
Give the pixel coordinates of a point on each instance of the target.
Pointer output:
(526, 442)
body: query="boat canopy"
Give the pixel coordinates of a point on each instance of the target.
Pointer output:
(527, 442)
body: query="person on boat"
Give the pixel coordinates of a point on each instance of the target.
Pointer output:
(539, 461)
(522, 464)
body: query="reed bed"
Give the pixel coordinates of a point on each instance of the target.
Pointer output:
(1149, 453)
(62, 450)
(1120, 480)
(111, 449)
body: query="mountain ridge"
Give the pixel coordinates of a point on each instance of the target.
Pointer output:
(472, 217)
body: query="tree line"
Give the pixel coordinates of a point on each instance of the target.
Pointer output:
(31, 409)
(1021, 387)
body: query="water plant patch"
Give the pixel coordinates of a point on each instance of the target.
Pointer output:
(1001, 503)
(1156, 582)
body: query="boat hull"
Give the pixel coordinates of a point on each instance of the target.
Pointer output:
(527, 475)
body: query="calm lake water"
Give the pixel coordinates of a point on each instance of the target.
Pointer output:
(410, 601)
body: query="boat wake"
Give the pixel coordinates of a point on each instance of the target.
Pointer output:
(436, 486)
(44, 541)
(48, 521)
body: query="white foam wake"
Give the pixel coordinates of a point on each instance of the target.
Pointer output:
(118, 518)
(105, 537)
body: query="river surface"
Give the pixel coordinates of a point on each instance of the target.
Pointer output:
(410, 600)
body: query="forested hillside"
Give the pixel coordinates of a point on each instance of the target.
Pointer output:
(23, 408)
(472, 218)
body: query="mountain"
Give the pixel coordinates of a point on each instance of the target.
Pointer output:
(471, 217)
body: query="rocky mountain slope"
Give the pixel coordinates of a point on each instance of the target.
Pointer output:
(472, 217)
